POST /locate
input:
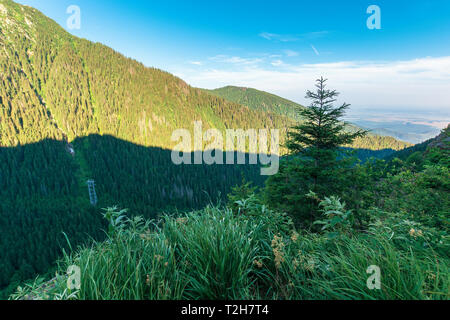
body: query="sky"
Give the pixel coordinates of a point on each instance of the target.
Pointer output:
(283, 46)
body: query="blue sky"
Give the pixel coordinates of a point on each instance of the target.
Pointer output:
(281, 46)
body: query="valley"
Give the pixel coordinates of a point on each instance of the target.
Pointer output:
(202, 224)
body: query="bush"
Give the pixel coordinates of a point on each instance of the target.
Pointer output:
(338, 220)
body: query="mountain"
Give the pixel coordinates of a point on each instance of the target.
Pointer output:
(73, 110)
(44, 195)
(55, 85)
(440, 141)
(258, 100)
(404, 131)
(267, 102)
(220, 252)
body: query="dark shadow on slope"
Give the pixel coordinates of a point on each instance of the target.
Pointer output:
(43, 193)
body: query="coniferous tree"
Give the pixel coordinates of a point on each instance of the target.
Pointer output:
(322, 128)
(317, 163)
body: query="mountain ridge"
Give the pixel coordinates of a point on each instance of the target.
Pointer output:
(101, 90)
(258, 100)
(60, 86)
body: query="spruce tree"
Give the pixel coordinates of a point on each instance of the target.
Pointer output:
(322, 128)
(317, 162)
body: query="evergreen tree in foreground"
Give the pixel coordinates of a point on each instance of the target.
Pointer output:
(317, 163)
(322, 129)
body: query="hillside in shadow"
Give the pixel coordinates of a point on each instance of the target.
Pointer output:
(43, 193)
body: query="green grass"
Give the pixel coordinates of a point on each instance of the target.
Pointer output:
(217, 254)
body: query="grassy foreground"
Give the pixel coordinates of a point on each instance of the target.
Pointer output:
(251, 253)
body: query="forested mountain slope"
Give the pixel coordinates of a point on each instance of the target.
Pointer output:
(258, 100)
(55, 85)
(398, 221)
(59, 92)
(57, 89)
(267, 102)
(43, 193)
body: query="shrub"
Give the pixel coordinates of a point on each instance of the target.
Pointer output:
(338, 220)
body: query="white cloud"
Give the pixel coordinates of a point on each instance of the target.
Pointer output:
(415, 83)
(315, 50)
(236, 60)
(290, 53)
(268, 36)
(197, 63)
(277, 63)
(279, 37)
(292, 37)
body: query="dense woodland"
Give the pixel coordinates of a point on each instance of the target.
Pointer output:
(59, 92)
(313, 241)
(44, 193)
(259, 100)
(117, 115)
(60, 87)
